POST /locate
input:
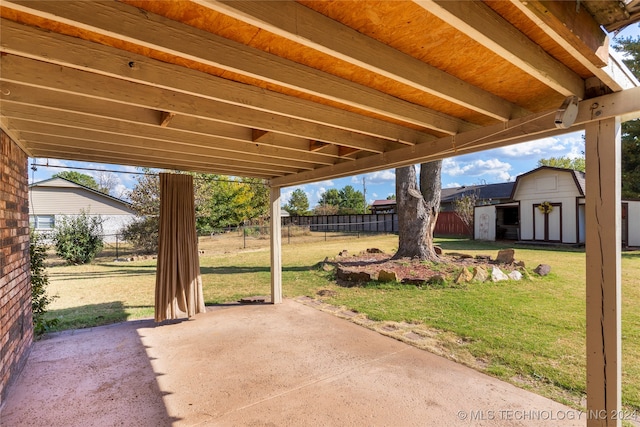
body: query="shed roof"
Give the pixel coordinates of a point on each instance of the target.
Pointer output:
(578, 178)
(296, 92)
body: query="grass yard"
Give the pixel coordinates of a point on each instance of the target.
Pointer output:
(530, 333)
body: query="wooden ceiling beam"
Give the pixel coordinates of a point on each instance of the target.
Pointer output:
(88, 155)
(142, 121)
(149, 30)
(71, 52)
(296, 22)
(625, 104)
(64, 145)
(590, 48)
(242, 147)
(98, 87)
(86, 133)
(486, 27)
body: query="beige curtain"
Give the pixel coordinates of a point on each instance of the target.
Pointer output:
(178, 281)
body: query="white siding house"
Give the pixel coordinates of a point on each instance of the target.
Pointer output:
(51, 199)
(550, 208)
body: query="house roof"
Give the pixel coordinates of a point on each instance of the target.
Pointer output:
(497, 192)
(59, 182)
(302, 91)
(387, 202)
(578, 178)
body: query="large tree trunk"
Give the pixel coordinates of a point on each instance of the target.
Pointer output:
(417, 211)
(431, 189)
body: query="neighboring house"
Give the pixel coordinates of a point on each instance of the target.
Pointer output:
(53, 198)
(383, 206)
(487, 194)
(547, 205)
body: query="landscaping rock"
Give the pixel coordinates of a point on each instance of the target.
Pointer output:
(352, 276)
(374, 251)
(343, 253)
(505, 256)
(437, 250)
(519, 264)
(480, 274)
(387, 276)
(483, 257)
(542, 269)
(498, 275)
(515, 275)
(464, 276)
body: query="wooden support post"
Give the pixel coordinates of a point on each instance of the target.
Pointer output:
(604, 358)
(276, 246)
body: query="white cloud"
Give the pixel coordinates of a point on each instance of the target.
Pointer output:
(452, 185)
(488, 170)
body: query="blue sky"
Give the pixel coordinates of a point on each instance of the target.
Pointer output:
(487, 167)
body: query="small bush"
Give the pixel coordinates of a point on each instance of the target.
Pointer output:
(143, 234)
(39, 282)
(78, 238)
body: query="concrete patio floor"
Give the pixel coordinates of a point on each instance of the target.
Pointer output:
(259, 365)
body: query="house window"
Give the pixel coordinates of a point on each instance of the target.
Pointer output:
(42, 222)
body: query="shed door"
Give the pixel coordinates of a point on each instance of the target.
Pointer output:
(548, 226)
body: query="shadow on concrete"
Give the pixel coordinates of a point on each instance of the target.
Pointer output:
(97, 376)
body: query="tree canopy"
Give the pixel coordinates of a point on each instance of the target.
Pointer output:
(78, 178)
(631, 130)
(106, 181)
(345, 201)
(564, 162)
(298, 204)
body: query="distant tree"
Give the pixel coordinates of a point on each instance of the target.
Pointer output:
(351, 201)
(564, 162)
(631, 130)
(326, 210)
(347, 200)
(391, 197)
(464, 207)
(298, 204)
(79, 178)
(107, 183)
(330, 197)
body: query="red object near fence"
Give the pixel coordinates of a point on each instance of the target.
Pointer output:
(450, 224)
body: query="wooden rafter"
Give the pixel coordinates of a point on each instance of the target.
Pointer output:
(483, 25)
(331, 37)
(187, 43)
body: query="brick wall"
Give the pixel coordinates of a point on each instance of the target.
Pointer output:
(16, 330)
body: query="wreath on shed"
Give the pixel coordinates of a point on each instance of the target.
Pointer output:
(545, 207)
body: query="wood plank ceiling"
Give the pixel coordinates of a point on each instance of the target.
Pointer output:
(294, 92)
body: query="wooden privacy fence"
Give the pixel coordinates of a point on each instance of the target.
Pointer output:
(449, 223)
(374, 223)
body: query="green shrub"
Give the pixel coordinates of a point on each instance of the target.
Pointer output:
(39, 282)
(78, 238)
(143, 234)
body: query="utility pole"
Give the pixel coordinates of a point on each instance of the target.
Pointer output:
(364, 190)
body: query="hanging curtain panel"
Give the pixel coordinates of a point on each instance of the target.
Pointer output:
(178, 281)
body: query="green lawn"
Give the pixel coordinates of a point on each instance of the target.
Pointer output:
(529, 332)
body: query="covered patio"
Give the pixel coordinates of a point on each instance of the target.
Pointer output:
(229, 367)
(298, 92)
